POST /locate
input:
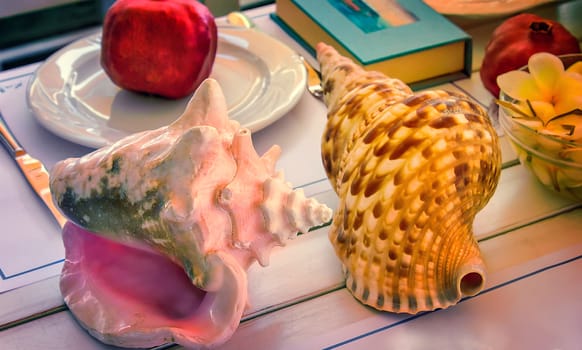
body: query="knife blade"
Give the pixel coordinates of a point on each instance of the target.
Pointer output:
(32, 169)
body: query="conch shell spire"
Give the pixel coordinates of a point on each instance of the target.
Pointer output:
(195, 194)
(411, 171)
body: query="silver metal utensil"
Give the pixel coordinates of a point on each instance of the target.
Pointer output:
(237, 18)
(313, 83)
(313, 80)
(32, 168)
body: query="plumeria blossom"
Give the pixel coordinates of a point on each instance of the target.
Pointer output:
(549, 97)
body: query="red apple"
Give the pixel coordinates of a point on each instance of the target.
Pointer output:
(160, 47)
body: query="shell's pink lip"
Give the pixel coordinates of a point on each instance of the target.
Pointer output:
(132, 274)
(136, 297)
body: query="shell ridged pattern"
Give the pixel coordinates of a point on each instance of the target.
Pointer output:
(411, 171)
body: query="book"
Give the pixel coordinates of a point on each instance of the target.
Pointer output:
(407, 40)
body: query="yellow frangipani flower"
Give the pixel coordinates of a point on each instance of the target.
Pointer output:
(548, 93)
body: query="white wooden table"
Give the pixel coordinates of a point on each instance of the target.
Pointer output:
(531, 240)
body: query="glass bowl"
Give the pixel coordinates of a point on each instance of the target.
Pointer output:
(554, 161)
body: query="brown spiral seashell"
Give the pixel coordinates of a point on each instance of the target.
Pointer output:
(411, 171)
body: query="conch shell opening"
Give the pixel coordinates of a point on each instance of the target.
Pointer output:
(165, 223)
(411, 170)
(471, 279)
(133, 296)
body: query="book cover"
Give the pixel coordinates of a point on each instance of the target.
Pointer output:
(407, 40)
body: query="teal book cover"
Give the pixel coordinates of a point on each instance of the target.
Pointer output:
(374, 32)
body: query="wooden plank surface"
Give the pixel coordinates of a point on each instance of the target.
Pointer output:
(531, 239)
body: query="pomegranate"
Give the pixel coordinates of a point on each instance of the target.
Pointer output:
(519, 37)
(159, 47)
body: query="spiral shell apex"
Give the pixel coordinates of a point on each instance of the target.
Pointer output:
(411, 171)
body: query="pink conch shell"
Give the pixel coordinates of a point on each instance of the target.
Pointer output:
(192, 201)
(411, 171)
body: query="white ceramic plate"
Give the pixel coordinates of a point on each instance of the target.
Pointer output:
(482, 7)
(71, 95)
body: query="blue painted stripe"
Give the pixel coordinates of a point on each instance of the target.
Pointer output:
(7, 277)
(501, 285)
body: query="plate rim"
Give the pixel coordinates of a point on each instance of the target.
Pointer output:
(73, 134)
(476, 12)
